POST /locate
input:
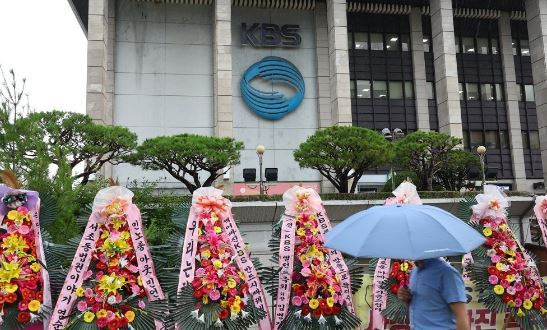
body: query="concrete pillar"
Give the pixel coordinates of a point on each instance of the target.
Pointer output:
(446, 70)
(222, 68)
(340, 101)
(323, 77)
(418, 68)
(511, 101)
(536, 14)
(100, 60)
(323, 72)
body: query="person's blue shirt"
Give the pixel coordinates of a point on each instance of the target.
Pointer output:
(435, 286)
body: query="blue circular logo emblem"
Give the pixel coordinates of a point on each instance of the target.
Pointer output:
(272, 105)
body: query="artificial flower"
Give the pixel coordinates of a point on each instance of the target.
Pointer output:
(499, 290)
(89, 317)
(34, 305)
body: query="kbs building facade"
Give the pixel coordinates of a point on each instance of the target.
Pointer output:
(167, 67)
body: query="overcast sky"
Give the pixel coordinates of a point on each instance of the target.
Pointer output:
(42, 41)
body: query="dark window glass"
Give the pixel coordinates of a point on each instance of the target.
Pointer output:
(376, 41)
(392, 42)
(475, 139)
(363, 89)
(514, 44)
(409, 90)
(525, 140)
(468, 44)
(457, 44)
(430, 92)
(529, 93)
(487, 92)
(361, 41)
(495, 46)
(465, 140)
(352, 88)
(491, 139)
(395, 90)
(472, 90)
(499, 91)
(534, 139)
(427, 43)
(482, 45)
(460, 91)
(405, 42)
(524, 48)
(380, 89)
(504, 140)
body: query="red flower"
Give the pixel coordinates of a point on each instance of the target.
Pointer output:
(11, 298)
(394, 288)
(305, 310)
(317, 313)
(23, 317)
(223, 314)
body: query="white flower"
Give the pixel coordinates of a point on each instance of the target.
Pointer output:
(298, 313)
(218, 323)
(491, 253)
(123, 262)
(492, 203)
(195, 313)
(337, 320)
(308, 317)
(244, 314)
(33, 318)
(201, 319)
(111, 300)
(322, 320)
(233, 316)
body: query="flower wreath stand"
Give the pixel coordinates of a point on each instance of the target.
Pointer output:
(216, 282)
(312, 285)
(25, 297)
(111, 283)
(391, 275)
(503, 272)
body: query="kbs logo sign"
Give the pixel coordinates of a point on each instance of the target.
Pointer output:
(270, 35)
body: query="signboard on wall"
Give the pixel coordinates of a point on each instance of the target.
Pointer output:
(270, 35)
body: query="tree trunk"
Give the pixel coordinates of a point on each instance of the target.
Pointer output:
(343, 188)
(429, 183)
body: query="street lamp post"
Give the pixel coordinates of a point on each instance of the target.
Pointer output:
(392, 137)
(260, 152)
(481, 151)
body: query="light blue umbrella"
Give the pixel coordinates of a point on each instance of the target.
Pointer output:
(413, 232)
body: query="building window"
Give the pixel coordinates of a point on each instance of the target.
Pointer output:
(427, 43)
(487, 92)
(475, 139)
(460, 91)
(360, 41)
(504, 140)
(363, 89)
(376, 41)
(405, 42)
(524, 48)
(352, 88)
(482, 45)
(457, 42)
(392, 42)
(395, 90)
(525, 140)
(491, 139)
(468, 44)
(528, 91)
(534, 139)
(472, 91)
(350, 40)
(514, 46)
(409, 90)
(495, 46)
(380, 89)
(499, 92)
(430, 91)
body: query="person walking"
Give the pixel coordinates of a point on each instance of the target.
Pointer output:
(436, 296)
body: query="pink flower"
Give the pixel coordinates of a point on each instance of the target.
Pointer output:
(133, 269)
(87, 274)
(495, 259)
(24, 229)
(214, 294)
(519, 286)
(99, 275)
(511, 290)
(504, 283)
(102, 322)
(23, 306)
(518, 302)
(89, 293)
(493, 279)
(141, 304)
(541, 207)
(82, 306)
(22, 209)
(305, 272)
(200, 272)
(296, 301)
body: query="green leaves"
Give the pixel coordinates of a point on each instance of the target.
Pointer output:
(185, 156)
(424, 153)
(341, 153)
